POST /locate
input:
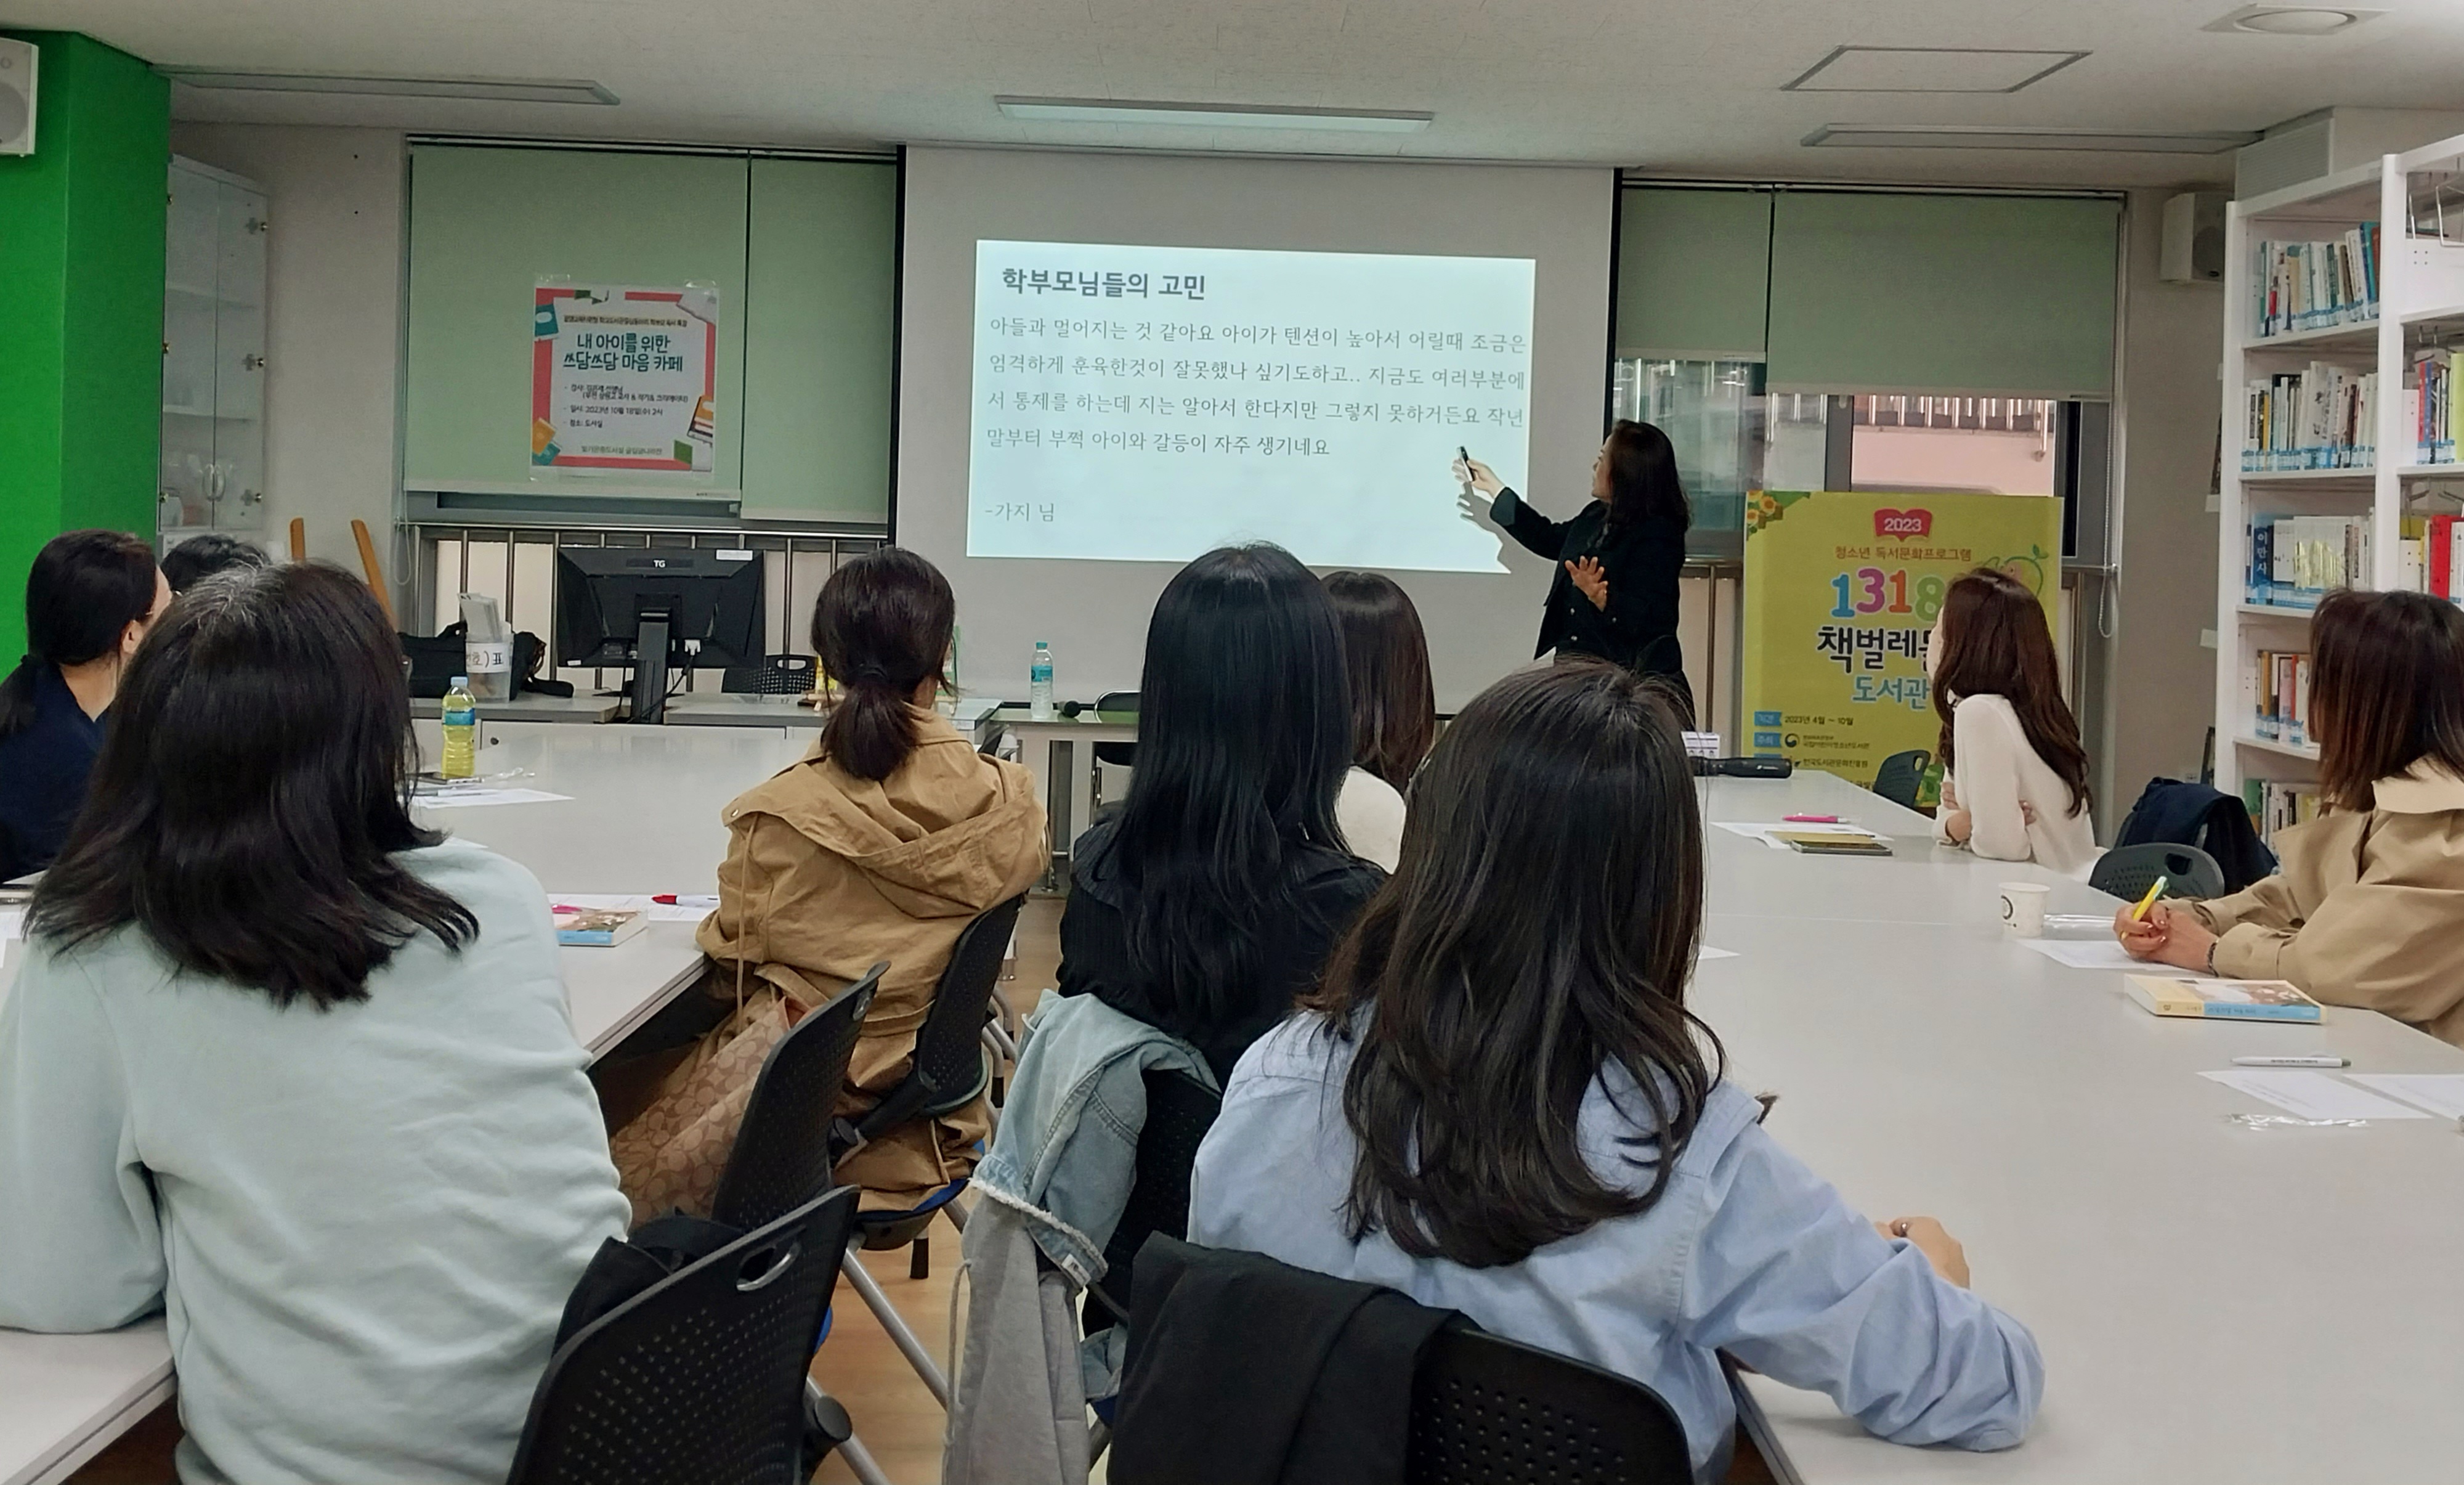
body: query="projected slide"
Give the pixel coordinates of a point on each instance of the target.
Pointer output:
(1146, 404)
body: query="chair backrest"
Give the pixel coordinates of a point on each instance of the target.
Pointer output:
(701, 1376)
(1120, 755)
(2128, 872)
(781, 1156)
(1485, 1408)
(1901, 776)
(1179, 1110)
(772, 675)
(950, 1066)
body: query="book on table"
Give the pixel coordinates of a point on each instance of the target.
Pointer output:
(598, 927)
(2222, 1000)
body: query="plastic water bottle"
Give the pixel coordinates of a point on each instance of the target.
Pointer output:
(461, 732)
(1038, 684)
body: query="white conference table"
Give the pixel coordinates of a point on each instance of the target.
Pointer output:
(643, 818)
(2213, 1303)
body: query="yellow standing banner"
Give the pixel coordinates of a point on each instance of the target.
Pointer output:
(1840, 596)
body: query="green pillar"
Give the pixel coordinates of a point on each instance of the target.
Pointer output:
(81, 226)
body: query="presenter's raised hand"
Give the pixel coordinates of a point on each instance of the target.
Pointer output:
(1481, 476)
(1589, 577)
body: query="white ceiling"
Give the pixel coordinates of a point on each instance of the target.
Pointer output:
(1682, 87)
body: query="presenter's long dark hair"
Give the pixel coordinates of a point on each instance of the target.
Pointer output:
(881, 628)
(1642, 482)
(1244, 734)
(251, 793)
(84, 589)
(1997, 641)
(1536, 936)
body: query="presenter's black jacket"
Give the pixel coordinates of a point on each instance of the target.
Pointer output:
(1640, 560)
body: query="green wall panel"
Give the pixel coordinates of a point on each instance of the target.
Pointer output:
(1693, 272)
(81, 227)
(1978, 295)
(821, 275)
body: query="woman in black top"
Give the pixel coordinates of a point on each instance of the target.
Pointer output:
(1211, 902)
(1614, 590)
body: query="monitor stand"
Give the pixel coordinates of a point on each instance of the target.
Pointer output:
(651, 671)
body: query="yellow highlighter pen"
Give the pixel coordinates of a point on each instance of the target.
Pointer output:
(2155, 889)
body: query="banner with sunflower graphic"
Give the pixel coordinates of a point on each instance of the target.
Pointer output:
(1840, 596)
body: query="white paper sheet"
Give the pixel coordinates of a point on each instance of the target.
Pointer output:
(2099, 954)
(2310, 1095)
(2440, 1093)
(475, 798)
(1761, 832)
(12, 923)
(693, 910)
(1706, 951)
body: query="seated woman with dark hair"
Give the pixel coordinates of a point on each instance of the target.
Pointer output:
(293, 1071)
(1210, 902)
(1510, 1112)
(201, 557)
(886, 840)
(89, 598)
(1393, 708)
(2368, 908)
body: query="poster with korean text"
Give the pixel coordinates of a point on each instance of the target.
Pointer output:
(1841, 596)
(624, 378)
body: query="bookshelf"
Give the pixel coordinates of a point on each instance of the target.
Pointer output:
(2403, 200)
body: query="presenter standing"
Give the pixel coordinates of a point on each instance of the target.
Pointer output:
(1614, 590)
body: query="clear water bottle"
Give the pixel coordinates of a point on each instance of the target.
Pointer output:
(1038, 684)
(461, 732)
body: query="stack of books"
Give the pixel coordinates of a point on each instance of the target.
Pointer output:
(2294, 561)
(2430, 406)
(2274, 804)
(2320, 417)
(2280, 695)
(2313, 285)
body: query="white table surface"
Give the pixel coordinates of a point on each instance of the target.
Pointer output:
(739, 709)
(2213, 1303)
(580, 707)
(643, 818)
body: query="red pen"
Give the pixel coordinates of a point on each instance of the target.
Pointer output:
(1811, 819)
(671, 899)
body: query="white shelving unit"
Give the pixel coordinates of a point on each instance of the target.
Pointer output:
(2421, 302)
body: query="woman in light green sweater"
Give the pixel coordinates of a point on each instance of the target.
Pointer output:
(293, 1069)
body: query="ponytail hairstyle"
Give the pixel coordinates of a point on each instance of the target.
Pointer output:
(86, 587)
(881, 628)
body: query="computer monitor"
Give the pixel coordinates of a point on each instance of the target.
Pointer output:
(649, 608)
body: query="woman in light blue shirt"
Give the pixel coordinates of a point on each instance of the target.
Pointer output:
(1498, 1104)
(293, 1071)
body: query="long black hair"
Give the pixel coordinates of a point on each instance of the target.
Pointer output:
(252, 792)
(881, 628)
(1386, 658)
(84, 590)
(1244, 732)
(1643, 483)
(1538, 932)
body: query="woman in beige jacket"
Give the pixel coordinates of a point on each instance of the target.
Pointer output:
(2368, 908)
(883, 843)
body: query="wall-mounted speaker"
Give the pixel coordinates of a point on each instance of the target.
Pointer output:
(17, 97)
(2191, 249)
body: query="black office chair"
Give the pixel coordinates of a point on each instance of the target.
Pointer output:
(1179, 1110)
(1902, 777)
(1486, 1410)
(781, 1158)
(2128, 872)
(701, 1376)
(772, 675)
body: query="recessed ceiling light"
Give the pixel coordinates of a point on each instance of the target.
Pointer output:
(502, 90)
(1965, 136)
(2292, 20)
(1210, 116)
(1872, 69)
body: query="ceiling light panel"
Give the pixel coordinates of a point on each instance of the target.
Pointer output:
(501, 90)
(1211, 115)
(1959, 136)
(1868, 69)
(2291, 20)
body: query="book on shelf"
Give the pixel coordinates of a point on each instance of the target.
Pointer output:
(2274, 804)
(2322, 416)
(2221, 1000)
(2302, 286)
(2280, 695)
(2292, 562)
(2430, 405)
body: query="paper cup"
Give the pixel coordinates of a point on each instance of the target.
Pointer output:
(2023, 909)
